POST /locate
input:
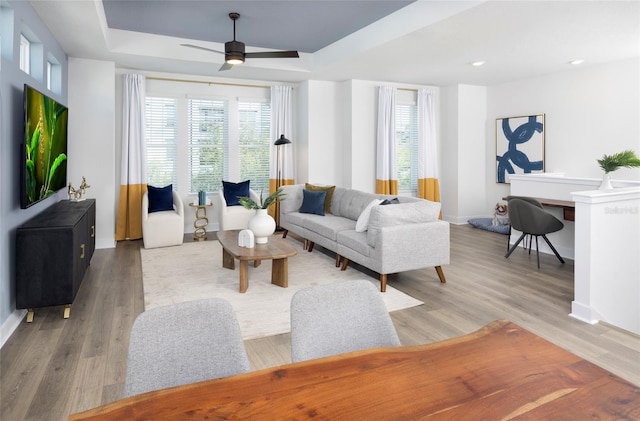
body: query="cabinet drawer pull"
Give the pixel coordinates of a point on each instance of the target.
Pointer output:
(82, 251)
(93, 231)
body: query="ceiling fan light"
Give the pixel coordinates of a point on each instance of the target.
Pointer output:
(234, 52)
(234, 60)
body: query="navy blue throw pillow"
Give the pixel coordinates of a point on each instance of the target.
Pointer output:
(393, 201)
(313, 202)
(160, 198)
(234, 190)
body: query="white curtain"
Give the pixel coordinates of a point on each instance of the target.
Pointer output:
(281, 124)
(133, 175)
(386, 168)
(428, 186)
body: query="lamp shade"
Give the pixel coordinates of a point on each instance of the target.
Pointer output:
(282, 141)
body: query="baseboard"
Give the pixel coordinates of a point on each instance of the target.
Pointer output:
(10, 325)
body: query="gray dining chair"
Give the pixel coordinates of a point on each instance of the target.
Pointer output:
(337, 318)
(529, 217)
(184, 343)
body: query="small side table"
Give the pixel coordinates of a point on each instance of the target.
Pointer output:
(201, 221)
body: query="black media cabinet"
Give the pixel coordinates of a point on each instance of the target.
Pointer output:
(53, 251)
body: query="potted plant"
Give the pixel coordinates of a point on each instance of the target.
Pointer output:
(249, 203)
(262, 224)
(610, 163)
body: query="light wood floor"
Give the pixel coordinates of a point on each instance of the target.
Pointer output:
(54, 367)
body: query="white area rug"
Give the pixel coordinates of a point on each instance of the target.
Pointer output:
(194, 271)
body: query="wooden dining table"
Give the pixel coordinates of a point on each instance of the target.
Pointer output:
(500, 372)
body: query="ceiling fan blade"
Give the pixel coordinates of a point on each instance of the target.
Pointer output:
(273, 54)
(225, 66)
(202, 48)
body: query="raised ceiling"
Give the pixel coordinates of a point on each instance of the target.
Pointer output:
(306, 26)
(422, 42)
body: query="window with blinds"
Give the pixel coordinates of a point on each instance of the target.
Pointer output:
(161, 139)
(407, 147)
(208, 144)
(254, 143)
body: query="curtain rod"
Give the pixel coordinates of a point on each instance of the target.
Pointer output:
(246, 85)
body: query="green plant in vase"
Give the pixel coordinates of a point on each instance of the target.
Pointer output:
(262, 224)
(249, 203)
(610, 163)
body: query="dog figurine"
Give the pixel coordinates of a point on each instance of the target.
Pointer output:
(500, 215)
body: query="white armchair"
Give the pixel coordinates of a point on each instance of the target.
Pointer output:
(164, 228)
(234, 217)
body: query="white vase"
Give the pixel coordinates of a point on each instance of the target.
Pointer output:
(262, 225)
(606, 182)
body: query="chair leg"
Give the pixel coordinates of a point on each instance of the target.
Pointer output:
(537, 252)
(553, 248)
(514, 246)
(440, 274)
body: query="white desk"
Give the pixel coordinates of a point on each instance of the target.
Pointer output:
(604, 242)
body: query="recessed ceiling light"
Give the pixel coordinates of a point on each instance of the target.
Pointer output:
(577, 61)
(478, 63)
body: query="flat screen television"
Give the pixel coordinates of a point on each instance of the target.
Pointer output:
(43, 166)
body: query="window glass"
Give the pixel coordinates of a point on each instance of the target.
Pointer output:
(161, 139)
(407, 147)
(255, 141)
(25, 54)
(208, 144)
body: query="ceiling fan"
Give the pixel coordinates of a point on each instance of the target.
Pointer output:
(234, 50)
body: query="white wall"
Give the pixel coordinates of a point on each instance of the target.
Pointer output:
(462, 167)
(363, 115)
(14, 16)
(92, 139)
(588, 111)
(324, 154)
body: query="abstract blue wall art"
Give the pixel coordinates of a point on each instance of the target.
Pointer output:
(519, 146)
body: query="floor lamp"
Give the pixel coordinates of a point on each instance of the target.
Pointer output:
(279, 142)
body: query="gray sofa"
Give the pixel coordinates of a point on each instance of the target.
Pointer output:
(398, 237)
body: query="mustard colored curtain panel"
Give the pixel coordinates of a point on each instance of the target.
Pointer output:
(428, 185)
(386, 168)
(133, 175)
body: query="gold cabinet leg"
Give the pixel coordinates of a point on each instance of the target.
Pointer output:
(30, 315)
(67, 311)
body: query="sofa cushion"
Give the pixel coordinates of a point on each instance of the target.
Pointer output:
(292, 199)
(356, 241)
(313, 202)
(234, 190)
(401, 214)
(328, 226)
(353, 202)
(160, 198)
(295, 218)
(363, 220)
(328, 189)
